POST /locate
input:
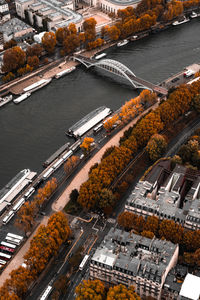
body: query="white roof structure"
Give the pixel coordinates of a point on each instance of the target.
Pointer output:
(191, 287)
(38, 37)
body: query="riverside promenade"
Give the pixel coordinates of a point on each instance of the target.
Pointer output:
(63, 199)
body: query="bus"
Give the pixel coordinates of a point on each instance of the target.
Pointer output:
(19, 204)
(8, 245)
(14, 241)
(75, 146)
(8, 217)
(67, 155)
(5, 256)
(29, 192)
(83, 263)
(15, 236)
(7, 249)
(98, 128)
(48, 173)
(3, 262)
(46, 293)
(58, 164)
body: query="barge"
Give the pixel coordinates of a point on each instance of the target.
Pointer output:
(37, 85)
(22, 98)
(64, 72)
(88, 122)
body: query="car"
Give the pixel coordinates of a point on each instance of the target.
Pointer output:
(175, 79)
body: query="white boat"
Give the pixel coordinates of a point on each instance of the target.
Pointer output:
(37, 85)
(22, 97)
(185, 20)
(64, 72)
(100, 56)
(122, 43)
(194, 15)
(4, 100)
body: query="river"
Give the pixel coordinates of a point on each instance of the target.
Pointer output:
(31, 131)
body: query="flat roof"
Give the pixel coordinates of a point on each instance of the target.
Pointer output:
(191, 287)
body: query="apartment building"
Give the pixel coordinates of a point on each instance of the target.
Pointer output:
(173, 195)
(131, 259)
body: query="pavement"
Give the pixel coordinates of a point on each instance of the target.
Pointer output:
(82, 176)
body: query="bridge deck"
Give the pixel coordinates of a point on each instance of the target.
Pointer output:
(140, 82)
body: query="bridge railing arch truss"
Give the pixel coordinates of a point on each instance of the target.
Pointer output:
(114, 67)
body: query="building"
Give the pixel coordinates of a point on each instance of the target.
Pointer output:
(190, 289)
(15, 29)
(50, 14)
(172, 195)
(131, 259)
(4, 11)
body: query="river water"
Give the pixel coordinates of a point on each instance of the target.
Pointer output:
(31, 131)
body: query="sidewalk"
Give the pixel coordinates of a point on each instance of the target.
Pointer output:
(82, 176)
(18, 259)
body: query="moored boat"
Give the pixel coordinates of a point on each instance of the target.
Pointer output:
(122, 43)
(22, 97)
(185, 20)
(37, 85)
(64, 72)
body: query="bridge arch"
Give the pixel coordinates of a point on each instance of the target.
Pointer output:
(114, 67)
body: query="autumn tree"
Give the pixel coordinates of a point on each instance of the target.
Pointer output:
(196, 103)
(126, 219)
(90, 289)
(74, 195)
(89, 29)
(11, 43)
(113, 33)
(35, 50)
(156, 146)
(147, 97)
(70, 43)
(86, 144)
(13, 59)
(122, 292)
(108, 124)
(33, 61)
(171, 231)
(8, 77)
(26, 216)
(71, 163)
(49, 41)
(61, 34)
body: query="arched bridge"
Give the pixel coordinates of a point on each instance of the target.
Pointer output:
(121, 70)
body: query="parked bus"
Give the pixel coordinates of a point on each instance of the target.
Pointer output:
(75, 146)
(14, 241)
(46, 293)
(29, 192)
(7, 249)
(3, 262)
(83, 263)
(19, 204)
(8, 217)
(8, 245)
(58, 164)
(67, 155)
(5, 256)
(98, 128)
(15, 236)
(48, 173)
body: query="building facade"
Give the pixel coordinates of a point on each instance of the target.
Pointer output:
(130, 259)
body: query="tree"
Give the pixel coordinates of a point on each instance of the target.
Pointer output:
(156, 146)
(196, 103)
(106, 198)
(87, 144)
(90, 289)
(126, 220)
(49, 41)
(33, 61)
(9, 44)
(70, 43)
(74, 195)
(13, 59)
(176, 159)
(122, 292)
(108, 124)
(113, 33)
(10, 76)
(35, 50)
(61, 34)
(147, 97)
(71, 163)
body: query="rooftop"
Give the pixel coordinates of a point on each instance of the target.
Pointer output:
(191, 287)
(135, 254)
(13, 25)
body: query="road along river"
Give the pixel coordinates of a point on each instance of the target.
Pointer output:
(31, 131)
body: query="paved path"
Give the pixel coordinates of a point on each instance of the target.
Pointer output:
(60, 203)
(82, 176)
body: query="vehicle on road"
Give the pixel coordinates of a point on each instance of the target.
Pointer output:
(122, 43)
(83, 263)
